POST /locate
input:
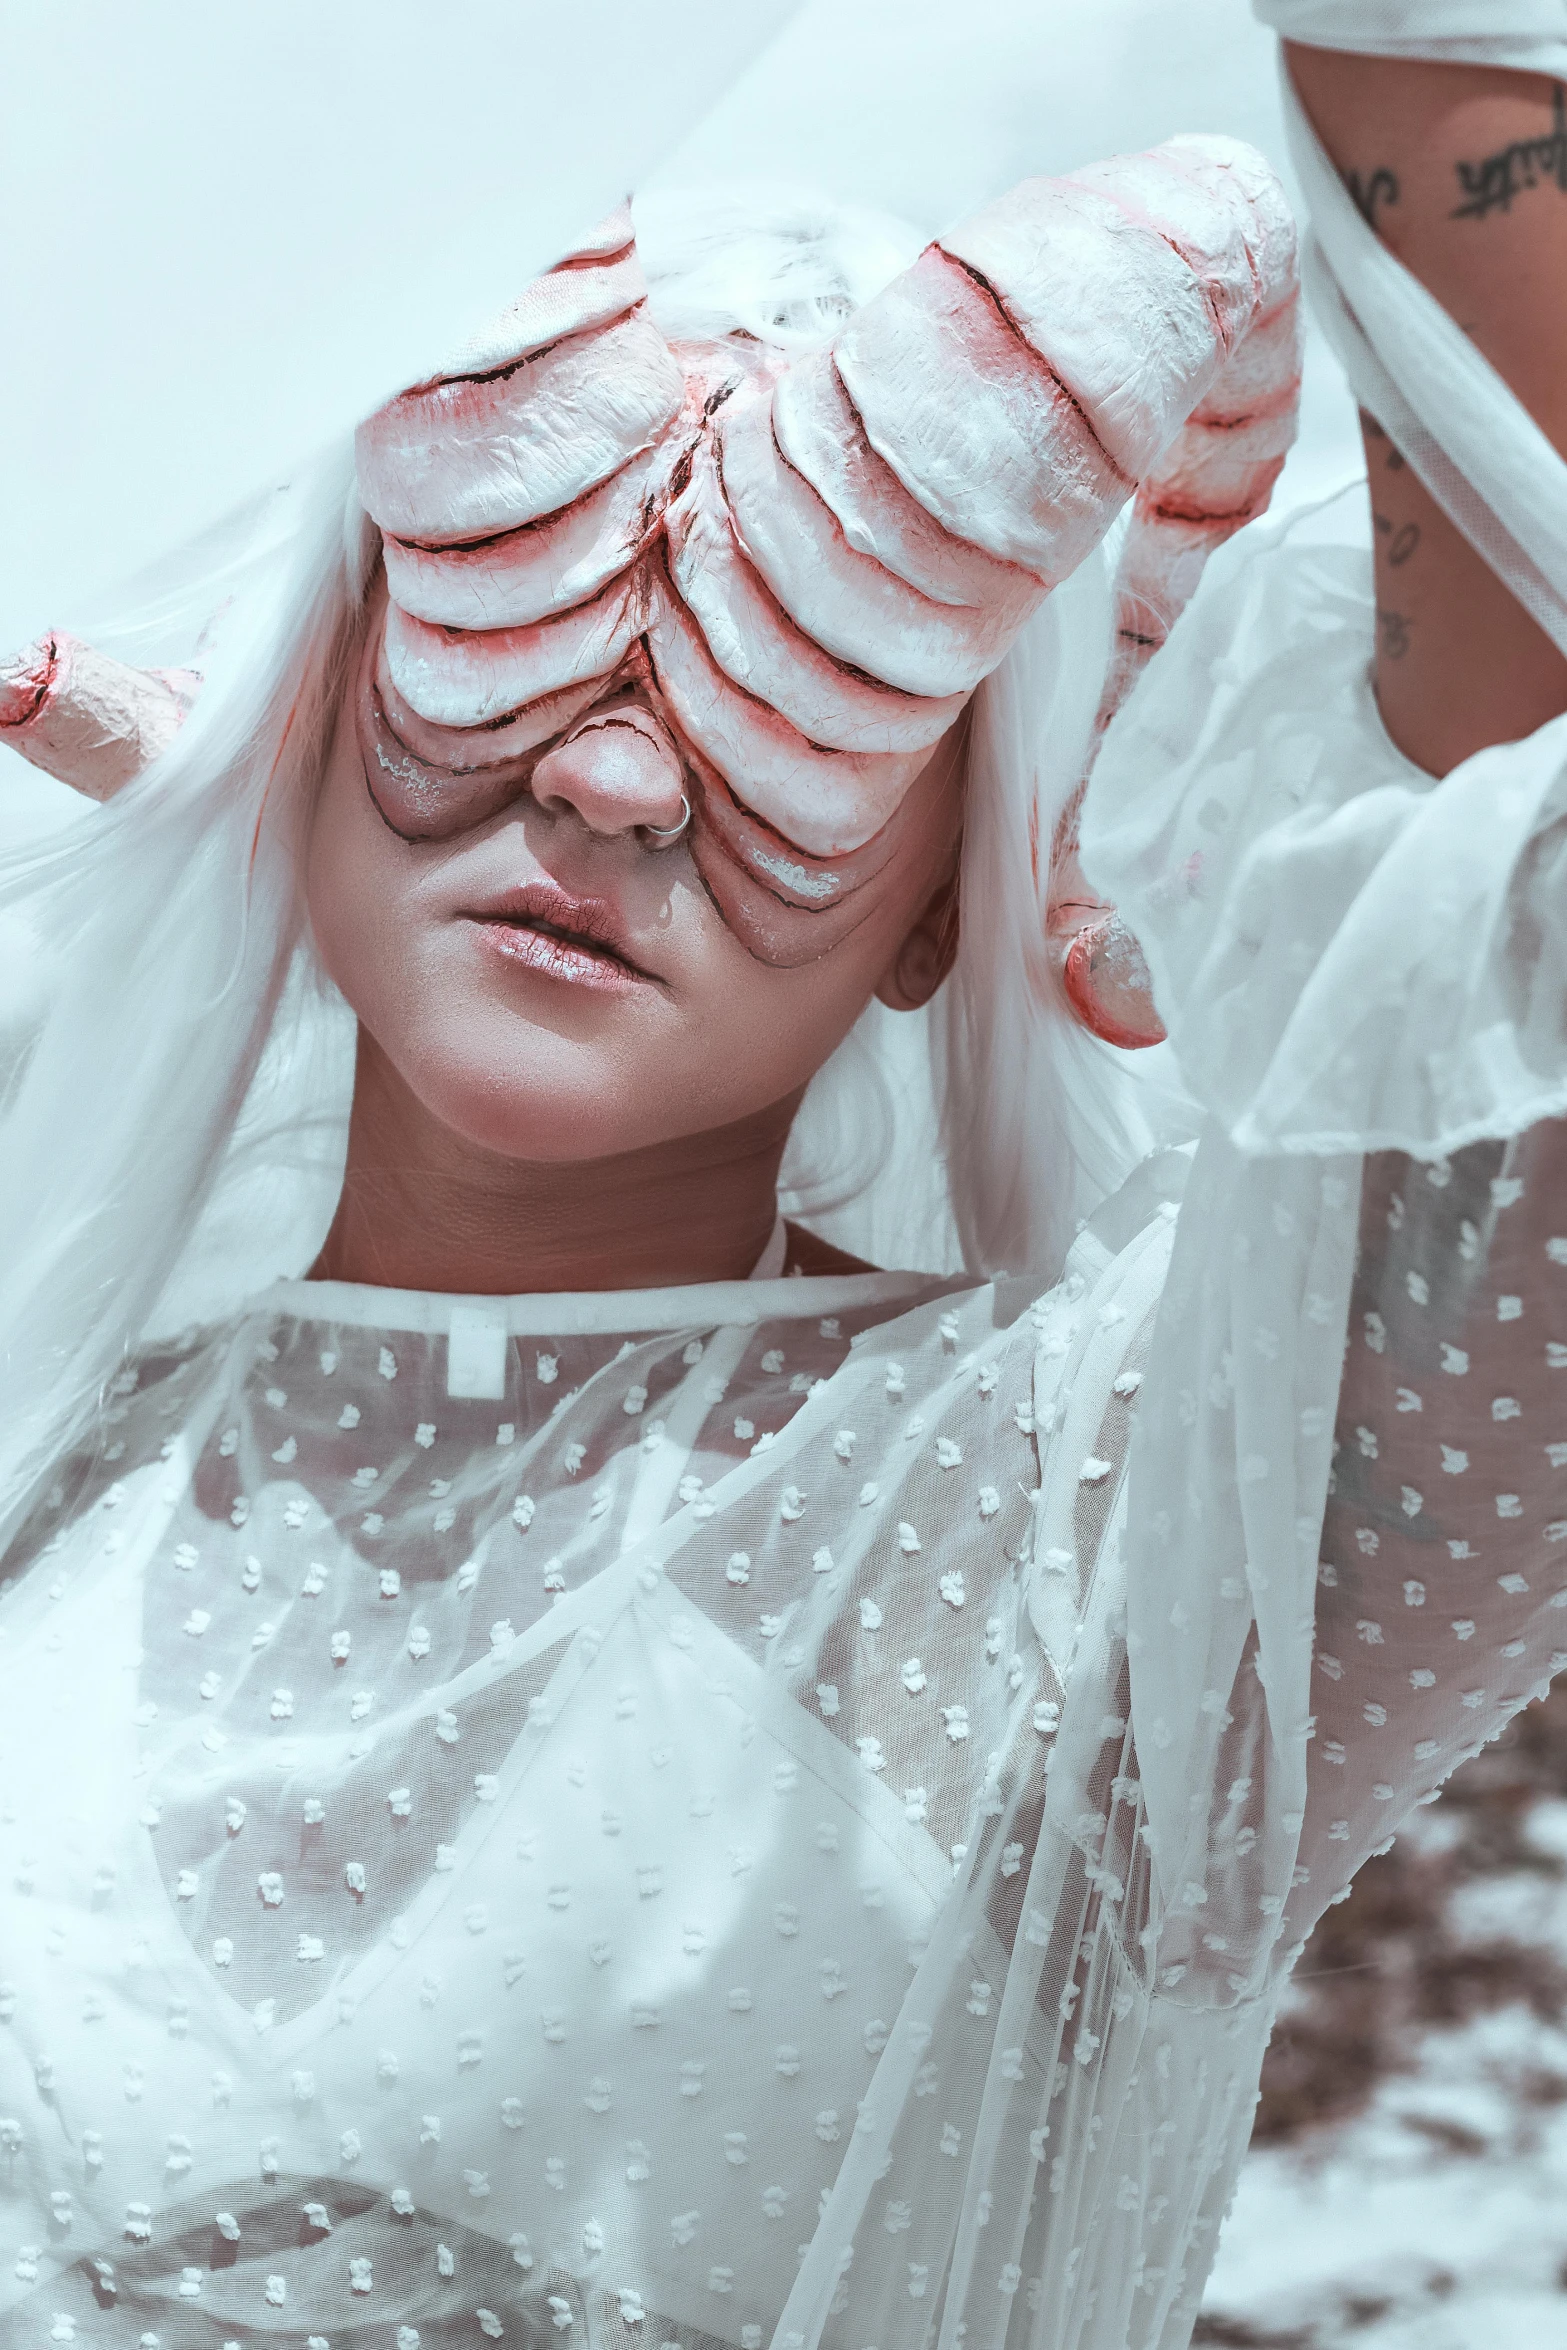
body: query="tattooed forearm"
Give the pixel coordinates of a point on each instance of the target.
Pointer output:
(1378, 187)
(1491, 184)
(1457, 663)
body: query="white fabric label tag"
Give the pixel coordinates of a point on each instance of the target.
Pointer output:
(476, 1353)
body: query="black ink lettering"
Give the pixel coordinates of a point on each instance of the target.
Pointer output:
(1402, 537)
(1491, 184)
(1392, 633)
(1375, 432)
(1380, 187)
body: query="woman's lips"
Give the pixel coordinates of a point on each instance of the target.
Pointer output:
(547, 929)
(560, 958)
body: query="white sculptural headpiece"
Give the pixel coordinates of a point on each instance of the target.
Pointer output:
(802, 568)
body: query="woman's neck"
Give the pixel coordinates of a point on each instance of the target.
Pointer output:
(421, 1208)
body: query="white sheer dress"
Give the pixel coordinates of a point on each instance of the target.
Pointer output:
(779, 1813)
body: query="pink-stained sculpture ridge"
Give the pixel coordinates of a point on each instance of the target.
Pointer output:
(89, 721)
(817, 561)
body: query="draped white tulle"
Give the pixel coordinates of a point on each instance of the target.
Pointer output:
(1351, 957)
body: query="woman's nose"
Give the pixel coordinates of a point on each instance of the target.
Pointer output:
(617, 770)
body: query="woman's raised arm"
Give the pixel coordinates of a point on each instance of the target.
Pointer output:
(1462, 172)
(1440, 1607)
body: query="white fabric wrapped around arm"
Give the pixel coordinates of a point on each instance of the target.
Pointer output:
(1530, 35)
(1478, 451)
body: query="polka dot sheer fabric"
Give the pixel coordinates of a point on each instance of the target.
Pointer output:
(478, 1850)
(660, 1853)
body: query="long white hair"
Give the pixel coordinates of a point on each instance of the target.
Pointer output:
(171, 1131)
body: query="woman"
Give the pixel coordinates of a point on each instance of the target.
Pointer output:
(597, 1766)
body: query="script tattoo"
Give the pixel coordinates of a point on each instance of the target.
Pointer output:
(1379, 187)
(1402, 539)
(1391, 461)
(1392, 633)
(1396, 541)
(1394, 460)
(1491, 184)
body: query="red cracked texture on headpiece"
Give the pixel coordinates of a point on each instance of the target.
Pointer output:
(811, 565)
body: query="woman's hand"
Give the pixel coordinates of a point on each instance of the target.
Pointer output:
(1462, 172)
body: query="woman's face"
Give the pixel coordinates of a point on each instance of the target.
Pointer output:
(552, 984)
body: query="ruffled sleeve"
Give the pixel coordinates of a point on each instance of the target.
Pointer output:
(1343, 1510)
(1441, 1604)
(1349, 954)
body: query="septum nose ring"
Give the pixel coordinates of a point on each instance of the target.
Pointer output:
(666, 835)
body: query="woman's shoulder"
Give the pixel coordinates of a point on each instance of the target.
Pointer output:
(1003, 1313)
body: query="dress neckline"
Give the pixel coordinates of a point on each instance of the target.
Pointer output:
(767, 1294)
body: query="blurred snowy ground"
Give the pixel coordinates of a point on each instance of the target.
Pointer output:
(1407, 2187)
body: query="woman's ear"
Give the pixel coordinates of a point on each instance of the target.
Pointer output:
(927, 954)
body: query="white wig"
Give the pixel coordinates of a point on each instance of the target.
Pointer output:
(172, 1128)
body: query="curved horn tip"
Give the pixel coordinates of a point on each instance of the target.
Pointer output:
(1109, 987)
(86, 719)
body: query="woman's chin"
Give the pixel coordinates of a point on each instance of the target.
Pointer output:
(547, 1098)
